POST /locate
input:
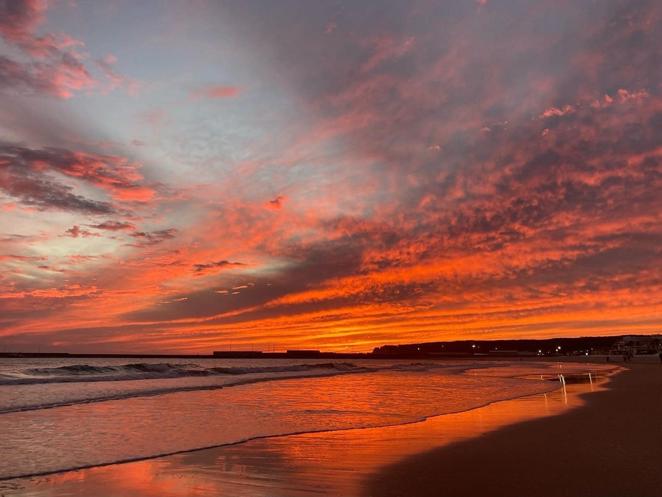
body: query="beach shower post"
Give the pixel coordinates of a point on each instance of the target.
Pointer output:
(565, 393)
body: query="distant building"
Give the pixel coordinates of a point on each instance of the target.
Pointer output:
(303, 352)
(638, 344)
(510, 353)
(238, 354)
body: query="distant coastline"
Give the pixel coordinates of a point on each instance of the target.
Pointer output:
(549, 347)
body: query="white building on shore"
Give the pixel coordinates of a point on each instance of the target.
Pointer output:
(638, 345)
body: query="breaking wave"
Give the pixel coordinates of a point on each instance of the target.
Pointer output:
(36, 388)
(138, 371)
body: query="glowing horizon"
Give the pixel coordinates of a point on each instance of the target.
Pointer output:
(184, 178)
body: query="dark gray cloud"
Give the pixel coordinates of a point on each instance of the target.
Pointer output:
(216, 265)
(149, 238)
(14, 75)
(76, 231)
(28, 174)
(38, 190)
(113, 226)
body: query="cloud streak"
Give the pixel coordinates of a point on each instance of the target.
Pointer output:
(215, 266)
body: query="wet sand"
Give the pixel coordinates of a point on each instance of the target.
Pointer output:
(610, 447)
(327, 463)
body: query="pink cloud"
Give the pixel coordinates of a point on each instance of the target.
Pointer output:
(557, 112)
(134, 194)
(20, 17)
(57, 63)
(115, 79)
(637, 95)
(67, 76)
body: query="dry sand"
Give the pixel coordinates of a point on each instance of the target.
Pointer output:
(610, 447)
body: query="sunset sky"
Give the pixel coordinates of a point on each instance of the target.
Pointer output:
(191, 176)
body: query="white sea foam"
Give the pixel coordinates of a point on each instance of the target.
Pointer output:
(149, 370)
(43, 387)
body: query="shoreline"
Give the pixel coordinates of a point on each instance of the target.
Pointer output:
(612, 446)
(258, 438)
(353, 455)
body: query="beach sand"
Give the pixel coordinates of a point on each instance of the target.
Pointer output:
(610, 447)
(341, 463)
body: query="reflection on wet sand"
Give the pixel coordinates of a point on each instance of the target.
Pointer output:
(328, 463)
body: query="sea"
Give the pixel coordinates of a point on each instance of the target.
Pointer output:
(64, 414)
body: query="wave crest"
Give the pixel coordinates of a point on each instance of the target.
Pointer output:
(147, 371)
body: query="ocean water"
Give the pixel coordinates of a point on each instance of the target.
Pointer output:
(57, 415)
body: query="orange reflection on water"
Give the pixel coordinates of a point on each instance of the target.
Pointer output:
(326, 463)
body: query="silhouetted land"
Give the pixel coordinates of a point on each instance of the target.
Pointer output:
(428, 350)
(552, 346)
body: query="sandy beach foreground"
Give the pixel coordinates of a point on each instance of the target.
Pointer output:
(610, 447)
